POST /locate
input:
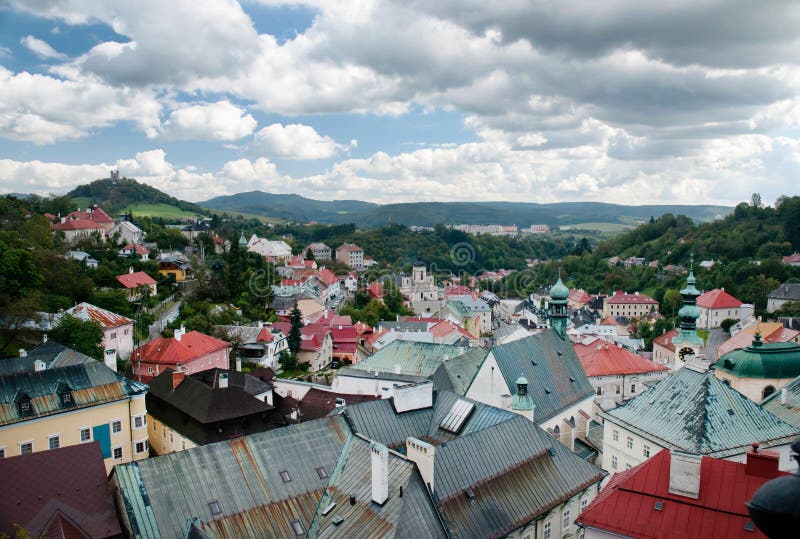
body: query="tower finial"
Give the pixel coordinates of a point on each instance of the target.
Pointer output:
(691, 260)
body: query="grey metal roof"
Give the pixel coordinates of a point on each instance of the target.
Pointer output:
(243, 475)
(556, 379)
(788, 291)
(698, 413)
(461, 370)
(789, 410)
(403, 325)
(414, 358)
(381, 375)
(53, 354)
(412, 515)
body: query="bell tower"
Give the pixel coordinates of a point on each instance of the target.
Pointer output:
(687, 342)
(558, 311)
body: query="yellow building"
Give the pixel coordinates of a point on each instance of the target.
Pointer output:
(177, 267)
(55, 397)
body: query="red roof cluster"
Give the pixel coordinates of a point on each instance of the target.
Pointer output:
(312, 336)
(604, 359)
(579, 296)
(171, 351)
(718, 299)
(138, 248)
(446, 327)
(621, 297)
(135, 279)
(77, 224)
(375, 290)
(637, 503)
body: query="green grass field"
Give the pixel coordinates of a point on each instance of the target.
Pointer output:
(160, 210)
(233, 213)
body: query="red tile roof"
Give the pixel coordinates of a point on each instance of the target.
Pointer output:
(610, 321)
(362, 328)
(459, 290)
(603, 359)
(348, 248)
(77, 224)
(312, 336)
(717, 299)
(375, 290)
(135, 279)
(627, 505)
(172, 351)
(579, 296)
(69, 482)
(665, 340)
(343, 334)
(791, 259)
(138, 247)
(317, 403)
(770, 332)
(446, 327)
(330, 319)
(327, 277)
(620, 297)
(107, 319)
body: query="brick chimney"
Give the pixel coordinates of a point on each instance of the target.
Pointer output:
(177, 379)
(761, 463)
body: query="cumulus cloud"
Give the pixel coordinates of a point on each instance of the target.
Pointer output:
(294, 141)
(222, 121)
(41, 48)
(44, 109)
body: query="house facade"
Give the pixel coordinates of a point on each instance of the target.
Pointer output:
(83, 401)
(320, 251)
(127, 232)
(350, 254)
(715, 306)
(136, 283)
(117, 331)
(634, 305)
(189, 352)
(783, 294)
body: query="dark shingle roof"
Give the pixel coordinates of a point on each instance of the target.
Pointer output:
(556, 379)
(459, 372)
(70, 481)
(698, 413)
(53, 354)
(787, 291)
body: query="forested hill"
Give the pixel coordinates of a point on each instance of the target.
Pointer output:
(750, 232)
(522, 214)
(117, 195)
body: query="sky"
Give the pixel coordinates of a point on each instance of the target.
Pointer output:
(624, 101)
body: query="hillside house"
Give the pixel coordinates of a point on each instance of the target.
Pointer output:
(188, 352)
(137, 283)
(117, 331)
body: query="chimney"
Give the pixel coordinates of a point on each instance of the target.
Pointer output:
(380, 472)
(23, 352)
(684, 474)
(422, 454)
(177, 378)
(130, 269)
(44, 337)
(180, 332)
(761, 463)
(783, 395)
(63, 220)
(222, 380)
(238, 364)
(39, 365)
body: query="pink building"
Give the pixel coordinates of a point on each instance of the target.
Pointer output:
(188, 352)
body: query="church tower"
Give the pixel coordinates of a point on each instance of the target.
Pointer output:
(687, 342)
(558, 308)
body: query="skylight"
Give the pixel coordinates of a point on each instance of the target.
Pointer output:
(457, 416)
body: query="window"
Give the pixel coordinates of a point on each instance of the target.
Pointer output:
(285, 476)
(139, 421)
(630, 443)
(584, 503)
(633, 388)
(614, 462)
(150, 370)
(26, 448)
(141, 447)
(546, 532)
(646, 451)
(54, 442)
(86, 434)
(126, 332)
(66, 399)
(565, 523)
(628, 466)
(615, 435)
(116, 426)
(2, 452)
(297, 527)
(599, 390)
(25, 408)
(113, 335)
(118, 453)
(617, 387)
(322, 473)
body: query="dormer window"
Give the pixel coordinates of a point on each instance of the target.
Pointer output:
(64, 393)
(23, 402)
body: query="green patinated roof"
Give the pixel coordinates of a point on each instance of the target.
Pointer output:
(698, 413)
(414, 358)
(457, 374)
(559, 291)
(691, 289)
(785, 403)
(772, 360)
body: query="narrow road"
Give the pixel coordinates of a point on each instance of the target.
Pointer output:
(715, 338)
(163, 321)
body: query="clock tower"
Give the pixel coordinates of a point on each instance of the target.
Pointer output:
(687, 342)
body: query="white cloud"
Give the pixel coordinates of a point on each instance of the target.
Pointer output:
(41, 48)
(294, 141)
(222, 121)
(44, 109)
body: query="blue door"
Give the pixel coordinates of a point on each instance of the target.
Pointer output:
(102, 434)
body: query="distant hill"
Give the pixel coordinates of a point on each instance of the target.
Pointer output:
(127, 194)
(522, 214)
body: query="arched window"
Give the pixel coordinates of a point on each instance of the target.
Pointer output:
(769, 390)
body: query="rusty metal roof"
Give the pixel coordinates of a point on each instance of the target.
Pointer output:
(412, 515)
(92, 383)
(161, 495)
(88, 312)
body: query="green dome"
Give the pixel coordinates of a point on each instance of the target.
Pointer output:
(779, 360)
(689, 311)
(522, 380)
(559, 290)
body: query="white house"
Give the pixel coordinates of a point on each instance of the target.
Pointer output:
(128, 232)
(715, 306)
